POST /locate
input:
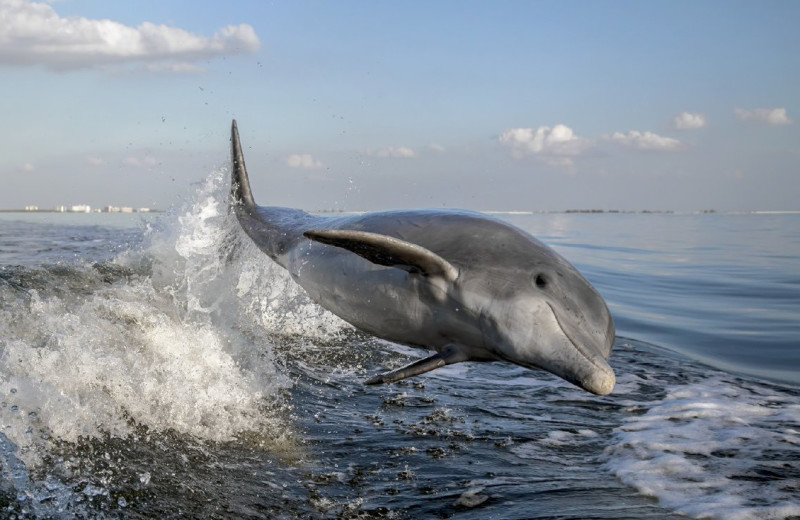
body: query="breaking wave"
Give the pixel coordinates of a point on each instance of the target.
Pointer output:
(175, 334)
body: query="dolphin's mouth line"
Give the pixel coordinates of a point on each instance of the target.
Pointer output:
(591, 359)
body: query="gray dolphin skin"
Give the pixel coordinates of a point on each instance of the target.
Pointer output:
(465, 285)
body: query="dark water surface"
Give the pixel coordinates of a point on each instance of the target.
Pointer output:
(164, 368)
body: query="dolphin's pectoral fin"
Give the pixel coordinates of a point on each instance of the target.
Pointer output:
(388, 251)
(412, 369)
(451, 354)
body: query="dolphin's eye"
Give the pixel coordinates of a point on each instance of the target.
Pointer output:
(541, 281)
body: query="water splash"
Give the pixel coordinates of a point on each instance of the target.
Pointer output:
(173, 335)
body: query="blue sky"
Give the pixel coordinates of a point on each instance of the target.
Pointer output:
(377, 105)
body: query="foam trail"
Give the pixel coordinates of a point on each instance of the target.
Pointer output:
(715, 449)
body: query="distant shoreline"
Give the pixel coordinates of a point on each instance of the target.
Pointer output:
(28, 211)
(490, 212)
(598, 212)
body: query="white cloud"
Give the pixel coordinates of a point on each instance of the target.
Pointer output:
(561, 162)
(645, 140)
(688, 121)
(140, 162)
(305, 161)
(175, 68)
(772, 116)
(393, 151)
(95, 161)
(34, 33)
(27, 167)
(554, 145)
(437, 148)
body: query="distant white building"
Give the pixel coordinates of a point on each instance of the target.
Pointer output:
(144, 210)
(126, 209)
(112, 209)
(31, 208)
(61, 209)
(81, 208)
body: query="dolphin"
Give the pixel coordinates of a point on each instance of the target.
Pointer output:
(465, 285)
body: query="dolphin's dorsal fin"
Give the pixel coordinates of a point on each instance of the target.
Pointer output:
(240, 183)
(389, 251)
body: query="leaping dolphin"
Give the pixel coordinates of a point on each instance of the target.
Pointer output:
(463, 284)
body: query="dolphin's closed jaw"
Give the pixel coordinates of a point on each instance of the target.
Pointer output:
(600, 382)
(589, 351)
(593, 373)
(589, 372)
(604, 380)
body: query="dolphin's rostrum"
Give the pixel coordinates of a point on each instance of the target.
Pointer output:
(466, 285)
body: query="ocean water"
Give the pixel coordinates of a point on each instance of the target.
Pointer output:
(163, 367)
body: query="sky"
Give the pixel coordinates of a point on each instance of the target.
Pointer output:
(360, 105)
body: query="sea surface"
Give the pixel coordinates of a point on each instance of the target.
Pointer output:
(161, 367)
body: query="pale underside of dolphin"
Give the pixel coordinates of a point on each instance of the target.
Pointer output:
(465, 285)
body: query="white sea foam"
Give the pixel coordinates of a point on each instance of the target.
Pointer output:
(181, 345)
(715, 449)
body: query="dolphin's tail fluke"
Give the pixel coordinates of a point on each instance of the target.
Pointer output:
(240, 183)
